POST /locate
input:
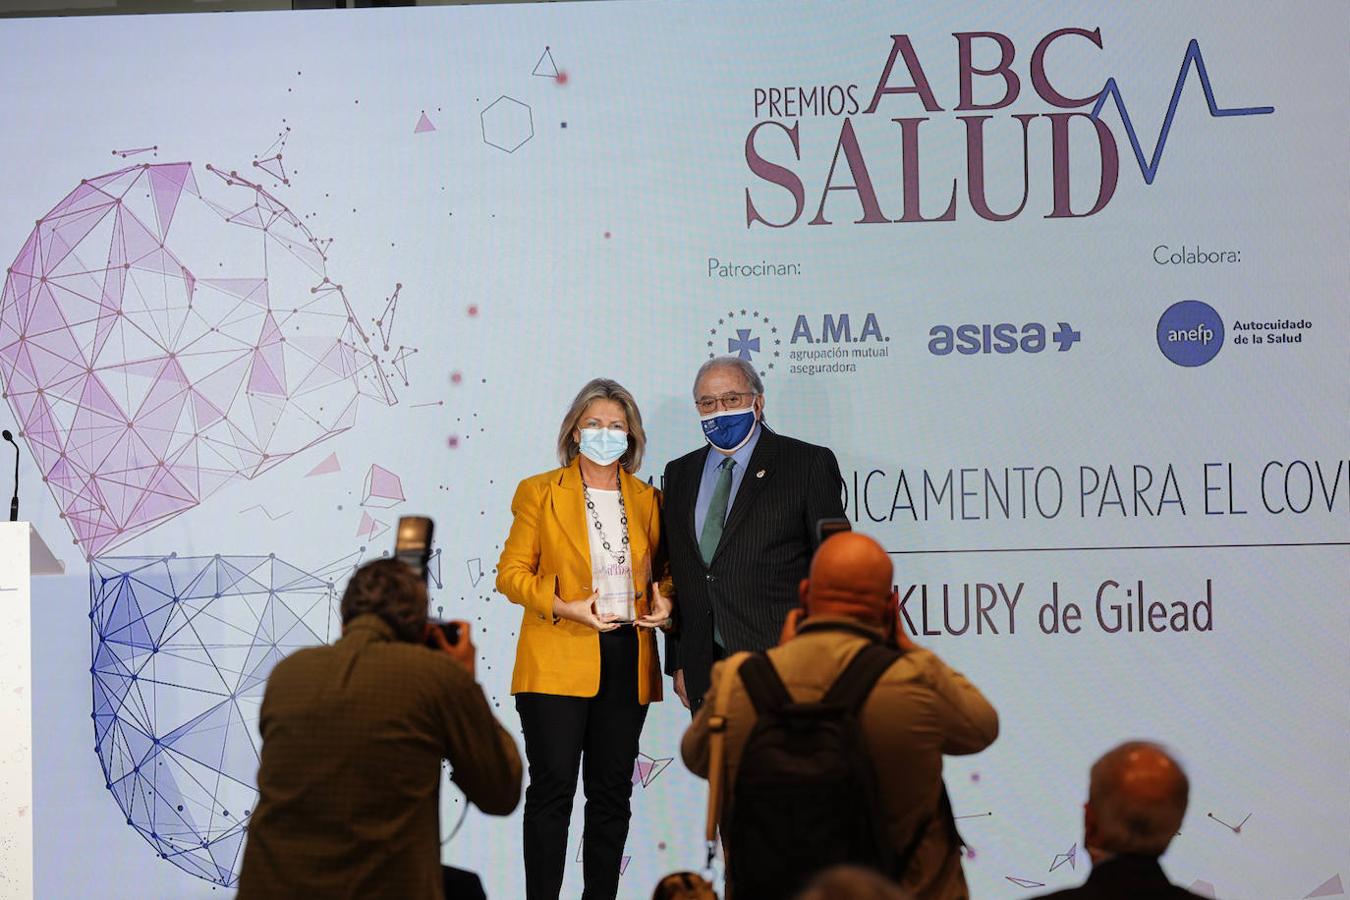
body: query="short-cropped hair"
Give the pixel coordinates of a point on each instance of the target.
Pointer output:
(1126, 822)
(847, 882)
(603, 389)
(684, 886)
(390, 589)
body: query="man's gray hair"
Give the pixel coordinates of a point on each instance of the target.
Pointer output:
(1136, 812)
(731, 362)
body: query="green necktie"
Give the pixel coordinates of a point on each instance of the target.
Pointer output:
(717, 511)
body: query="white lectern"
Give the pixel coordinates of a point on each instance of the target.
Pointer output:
(23, 554)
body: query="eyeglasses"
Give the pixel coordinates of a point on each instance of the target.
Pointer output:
(734, 400)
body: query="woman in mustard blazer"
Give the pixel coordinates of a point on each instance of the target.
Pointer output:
(584, 542)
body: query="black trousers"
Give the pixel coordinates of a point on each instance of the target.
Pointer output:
(461, 884)
(719, 653)
(599, 736)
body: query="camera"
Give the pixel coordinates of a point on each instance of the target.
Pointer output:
(826, 528)
(412, 545)
(449, 629)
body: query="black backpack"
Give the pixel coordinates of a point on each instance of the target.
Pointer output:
(806, 795)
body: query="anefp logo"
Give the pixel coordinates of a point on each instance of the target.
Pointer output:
(1190, 333)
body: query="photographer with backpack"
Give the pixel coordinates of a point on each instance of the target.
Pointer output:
(842, 729)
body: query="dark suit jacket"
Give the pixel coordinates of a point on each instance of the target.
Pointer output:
(1126, 878)
(765, 551)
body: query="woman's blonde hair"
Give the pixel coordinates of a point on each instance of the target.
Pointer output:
(603, 389)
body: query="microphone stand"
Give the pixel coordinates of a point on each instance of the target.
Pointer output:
(14, 501)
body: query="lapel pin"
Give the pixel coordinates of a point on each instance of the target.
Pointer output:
(759, 474)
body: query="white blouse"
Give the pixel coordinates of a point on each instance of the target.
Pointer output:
(613, 579)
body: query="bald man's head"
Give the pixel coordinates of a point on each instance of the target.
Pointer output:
(850, 576)
(1136, 800)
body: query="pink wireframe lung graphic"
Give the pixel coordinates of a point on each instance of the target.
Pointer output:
(158, 340)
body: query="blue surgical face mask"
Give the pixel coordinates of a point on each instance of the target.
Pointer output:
(603, 446)
(729, 431)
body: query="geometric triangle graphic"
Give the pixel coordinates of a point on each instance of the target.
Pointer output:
(370, 527)
(545, 67)
(273, 166)
(1332, 887)
(647, 768)
(623, 860)
(1024, 882)
(329, 464)
(1071, 857)
(424, 125)
(382, 489)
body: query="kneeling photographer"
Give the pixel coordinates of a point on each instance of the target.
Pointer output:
(353, 735)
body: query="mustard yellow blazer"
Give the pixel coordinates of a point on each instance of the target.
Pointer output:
(547, 553)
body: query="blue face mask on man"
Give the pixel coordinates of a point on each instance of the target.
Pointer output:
(603, 446)
(729, 430)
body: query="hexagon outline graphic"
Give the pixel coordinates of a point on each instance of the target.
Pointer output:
(503, 115)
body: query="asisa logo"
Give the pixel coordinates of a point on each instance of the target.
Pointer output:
(1002, 338)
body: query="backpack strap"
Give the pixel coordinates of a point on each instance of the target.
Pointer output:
(763, 685)
(948, 819)
(855, 683)
(851, 690)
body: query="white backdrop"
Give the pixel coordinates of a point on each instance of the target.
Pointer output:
(516, 199)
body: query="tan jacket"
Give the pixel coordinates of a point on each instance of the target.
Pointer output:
(353, 735)
(918, 711)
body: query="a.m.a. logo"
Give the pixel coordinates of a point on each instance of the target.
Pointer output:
(836, 342)
(837, 328)
(748, 334)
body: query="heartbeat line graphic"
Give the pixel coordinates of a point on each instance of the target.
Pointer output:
(1112, 90)
(265, 512)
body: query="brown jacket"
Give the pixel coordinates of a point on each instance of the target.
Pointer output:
(353, 737)
(919, 710)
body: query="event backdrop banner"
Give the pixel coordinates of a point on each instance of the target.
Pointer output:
(1064, 287)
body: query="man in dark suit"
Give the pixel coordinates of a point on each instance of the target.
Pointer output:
(1136, 800)
(740, 524)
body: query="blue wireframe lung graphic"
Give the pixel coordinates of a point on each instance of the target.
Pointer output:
(182, 647)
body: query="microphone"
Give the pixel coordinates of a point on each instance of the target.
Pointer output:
(14, 502)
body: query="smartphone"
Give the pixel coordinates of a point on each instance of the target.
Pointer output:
(449, 629)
